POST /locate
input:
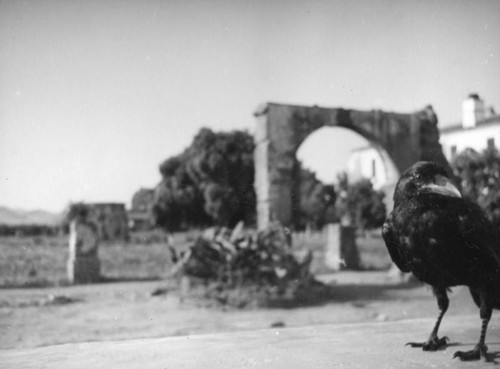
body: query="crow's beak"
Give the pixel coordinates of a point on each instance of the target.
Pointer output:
(442, 186)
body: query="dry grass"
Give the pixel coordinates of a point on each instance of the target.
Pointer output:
(371, 248)
(31, 317)
(373, 253)
(32, 261)
(41, 261)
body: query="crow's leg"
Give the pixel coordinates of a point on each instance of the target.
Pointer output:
(434, 342)
(480, 349)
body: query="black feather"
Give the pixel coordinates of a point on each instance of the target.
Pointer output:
(443, 240)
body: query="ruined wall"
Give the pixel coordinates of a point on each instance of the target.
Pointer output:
(142, 200)
(281, 129)
(110, 220)
(140, 215)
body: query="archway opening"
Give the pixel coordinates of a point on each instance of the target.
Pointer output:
(330, 151)
(280, 130)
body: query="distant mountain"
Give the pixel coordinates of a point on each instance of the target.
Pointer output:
(23, 217)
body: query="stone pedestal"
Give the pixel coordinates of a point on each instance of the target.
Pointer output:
(83, 262)
(341, 251)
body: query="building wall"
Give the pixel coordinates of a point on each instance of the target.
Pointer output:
(479, 129)
(367, 163)
(475, 138)
(361, 162)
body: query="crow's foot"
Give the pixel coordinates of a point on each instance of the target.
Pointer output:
(432, 344)
(479, 352)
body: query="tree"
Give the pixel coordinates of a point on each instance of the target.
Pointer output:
(142, 200)
(480, 179)
(211, 182)
(178, 202)
(359, 204)
(313, 200)
(220, 203)
(222, 163)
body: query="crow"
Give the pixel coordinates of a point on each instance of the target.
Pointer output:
(445, 241)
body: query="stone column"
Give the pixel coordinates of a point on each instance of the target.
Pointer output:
(83, 262)
(341, 251)
(275, 146)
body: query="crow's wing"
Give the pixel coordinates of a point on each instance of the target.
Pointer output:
(395, 250)
(481, 240)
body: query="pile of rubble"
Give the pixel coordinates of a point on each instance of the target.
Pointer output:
(240, 268)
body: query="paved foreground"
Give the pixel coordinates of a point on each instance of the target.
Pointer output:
(372, 345)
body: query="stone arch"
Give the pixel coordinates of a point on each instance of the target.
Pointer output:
(281, 129)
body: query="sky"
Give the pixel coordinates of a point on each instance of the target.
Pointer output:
(94, 95)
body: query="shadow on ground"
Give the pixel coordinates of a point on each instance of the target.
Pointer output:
(357, 294)
(105, 279)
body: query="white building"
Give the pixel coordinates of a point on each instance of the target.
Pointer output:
(373, 162)
(366, 162)
(479, 129)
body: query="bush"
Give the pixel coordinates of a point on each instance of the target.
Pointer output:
(480, 179)
(360, 205)
(241, 270)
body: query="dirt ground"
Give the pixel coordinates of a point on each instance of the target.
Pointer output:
(128, 310)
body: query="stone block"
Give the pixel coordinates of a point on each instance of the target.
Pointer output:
(341, 251)
(83, 262)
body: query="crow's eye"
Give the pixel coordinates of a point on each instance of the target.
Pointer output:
(417, 177)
